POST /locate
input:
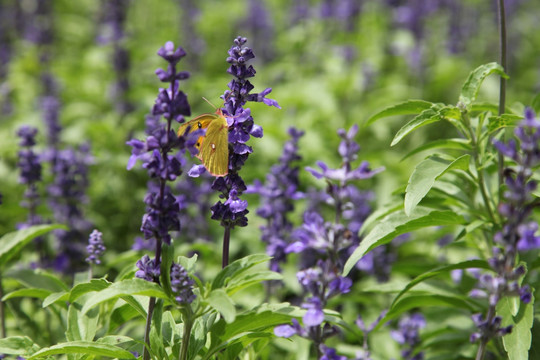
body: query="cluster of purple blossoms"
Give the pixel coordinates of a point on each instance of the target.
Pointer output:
(95, 247)
(277, 198)
(232, 212)
(408, 335)
(113, 19)
(181, 284)
(149, 270)
(30, 167)
(325, 245)
(518, 233)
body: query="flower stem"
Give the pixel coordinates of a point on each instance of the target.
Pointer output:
(484, 340)
(2, 313)
(151, 306)
(188, 325)
(226, 241)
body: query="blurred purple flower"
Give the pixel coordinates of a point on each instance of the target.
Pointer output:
(277, 198)
(95, 247)
(408, 335)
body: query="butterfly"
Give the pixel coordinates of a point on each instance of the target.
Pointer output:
(214, 146)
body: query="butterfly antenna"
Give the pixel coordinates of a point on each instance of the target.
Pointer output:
(208, 101)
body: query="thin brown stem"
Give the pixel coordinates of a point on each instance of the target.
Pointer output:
(151, 306)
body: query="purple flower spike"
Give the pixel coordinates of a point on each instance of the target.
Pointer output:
(95, 248)
(156, 153)
(181, 284)
(233, 211)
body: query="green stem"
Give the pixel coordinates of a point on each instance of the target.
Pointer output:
(481, 180)
(226, 241)
(188, 325)
(2, 313)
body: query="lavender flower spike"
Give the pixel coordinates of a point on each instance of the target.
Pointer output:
(95, 248)
(233, 213)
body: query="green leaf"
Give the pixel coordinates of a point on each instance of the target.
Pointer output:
(12, 243)
(469, 91)
(61, 296)
(121, 315)
(535, 104)
(84, 347)
(165, 273)
(32, 293)
(407, 108)
(424, 176)
(236, 268)
(17, 345)
(81, 326)
(399, 223)
(457, 144)
(84, 288)
(220, 301)
(505, 120)
(246, 280)
(125, 288)
(262, 318)
(518, 342)
(38, 278)
(469, 264)
(426, 117)
(188, 263)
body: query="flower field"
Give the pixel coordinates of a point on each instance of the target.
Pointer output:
(269, 179)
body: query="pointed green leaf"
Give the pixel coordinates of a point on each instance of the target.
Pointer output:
(407, 108)
(84, 288)
(12, 243)
(125, 288)
(84, 347)
(32, 293)
(469, 91)
(37, 278)
(505, 120)
(236, 268)
(220, 301)
(457, 144)
(61, 296)
(518, 342)
(426, 117)
(17, 345)
(399, 223)
(424, 176)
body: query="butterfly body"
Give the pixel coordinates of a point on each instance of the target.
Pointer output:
(214, 146)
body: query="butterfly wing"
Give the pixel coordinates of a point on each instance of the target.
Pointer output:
(200, 122)
(214, 151)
